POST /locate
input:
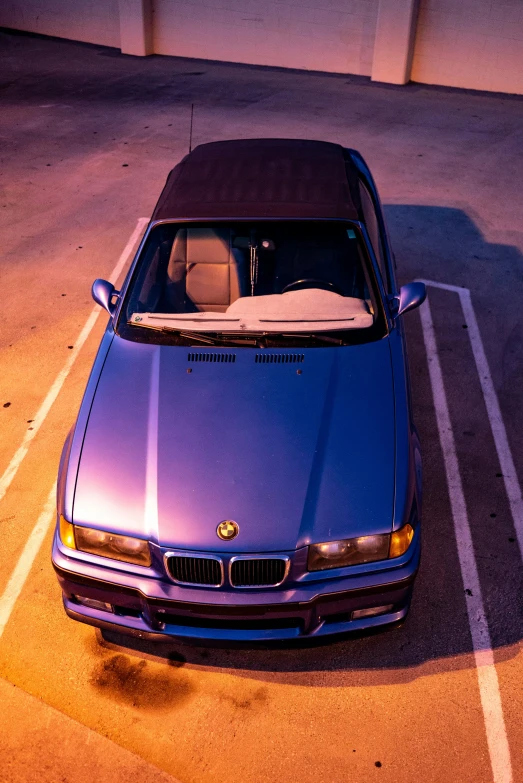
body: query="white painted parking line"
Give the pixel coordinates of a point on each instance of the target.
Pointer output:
(26, 559)
(484, 657)
(497, 425)
(53, 392)
(34, 542)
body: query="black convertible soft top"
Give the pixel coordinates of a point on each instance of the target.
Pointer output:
(262, 178)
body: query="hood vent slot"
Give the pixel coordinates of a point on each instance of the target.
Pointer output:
(279, 358)
(212, 357)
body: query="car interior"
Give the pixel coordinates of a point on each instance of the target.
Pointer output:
(194, 269)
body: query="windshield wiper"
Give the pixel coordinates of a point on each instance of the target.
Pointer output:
(213, 338)
(322, 338)
(196, 336)
(256, 339)
(208, 338)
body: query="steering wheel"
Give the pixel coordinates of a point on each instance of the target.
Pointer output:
(312, 282)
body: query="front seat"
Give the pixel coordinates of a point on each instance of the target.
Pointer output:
(204, 271)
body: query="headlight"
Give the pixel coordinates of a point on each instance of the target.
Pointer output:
(355, 551)
(98, 542)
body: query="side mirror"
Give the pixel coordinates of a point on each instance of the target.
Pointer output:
(102, 293)
(411, 296)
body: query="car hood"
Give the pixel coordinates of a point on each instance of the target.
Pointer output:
(296, 446)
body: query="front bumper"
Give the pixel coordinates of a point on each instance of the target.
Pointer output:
(156, 610)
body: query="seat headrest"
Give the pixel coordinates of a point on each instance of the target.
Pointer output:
(208, 246)
(204, 270)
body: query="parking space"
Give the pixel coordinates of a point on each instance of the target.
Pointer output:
(88, 137)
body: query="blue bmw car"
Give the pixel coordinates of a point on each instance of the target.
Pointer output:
(245, 465)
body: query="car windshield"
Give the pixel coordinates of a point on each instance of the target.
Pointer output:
(285, 280)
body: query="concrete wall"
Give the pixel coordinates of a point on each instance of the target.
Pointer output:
(94, 21)
(470, 43)
(323, 35)
(475, 44)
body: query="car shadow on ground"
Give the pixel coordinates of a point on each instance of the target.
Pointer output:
(442, 244)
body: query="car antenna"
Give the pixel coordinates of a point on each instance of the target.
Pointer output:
(190, 129)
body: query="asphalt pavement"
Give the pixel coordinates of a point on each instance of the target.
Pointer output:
(87, 138)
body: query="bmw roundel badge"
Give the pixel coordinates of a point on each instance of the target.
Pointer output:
(227, 530)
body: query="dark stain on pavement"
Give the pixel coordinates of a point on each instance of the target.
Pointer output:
(176, 659)
(251, 701)
(139, 684)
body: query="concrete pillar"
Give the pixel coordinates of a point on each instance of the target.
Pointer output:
(136, 27)
(394, 44)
